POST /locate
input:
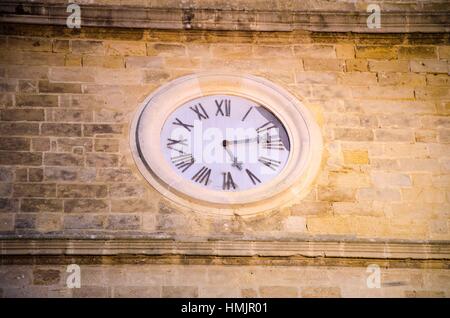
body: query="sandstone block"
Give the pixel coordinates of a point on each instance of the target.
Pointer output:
(319, 51)
(356, 65)
(63, 159)
(87, 47)
(119, 190)
(377, 194)
(61, 130)
(46, 276)
(21, 158)
(417, 52)
(106, 145)
(37, 190)
(389, 66)
(82, 190)
(390, 179)
(123, 222)
(69, 174)
(41, 205)
(35, 174)
(116, 175)
(131, 205)
(30, 44)
(48, 222)
(6, 222)
(376, 52)
(74, 222)
(429, 66)
(94, 129)
(321, 292)
(102, 160)
(310, 208)
(61, 46)
(86, 205)
(396, 135)
(15, 143)
(332, 65)
(125, 48)
(19, 129)
(278, 292)
(296, 224)
(31, 100)
(22, 114)
(179, 292)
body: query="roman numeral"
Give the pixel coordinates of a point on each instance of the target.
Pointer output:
(246, 114)
(183, 162)
(252, 176)
(180, 123)
(202, 176)
(267, 126)
(201, 113)
(272, 143)
(171, 142)
(228, 182)
(271, 163)
(227, 107)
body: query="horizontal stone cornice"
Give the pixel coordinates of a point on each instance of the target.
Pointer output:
(149, 247)
(341, 19)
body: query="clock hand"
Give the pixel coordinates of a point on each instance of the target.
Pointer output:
(235, 163)
(247, 140)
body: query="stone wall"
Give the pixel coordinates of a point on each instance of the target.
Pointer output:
(71, 193)
(67, 99)
(221, 281)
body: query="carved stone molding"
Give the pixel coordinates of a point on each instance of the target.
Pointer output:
(327, 249)
(317, 16)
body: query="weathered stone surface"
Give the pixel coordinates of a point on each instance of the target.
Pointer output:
(94, 129)
(38, 190)
(321, 292)
(179, 292)
(86, 205)
(82, 191)
(123, 222)
(278, 292)
(30, 100)
(22, 115)
(14, 143)
(19, 129)
(102, 160)
(21, 158)
(74, 222)
(62, 159)
(46, 276)
(106, 145)
(9, 205)
(61, 130)
(45, 205)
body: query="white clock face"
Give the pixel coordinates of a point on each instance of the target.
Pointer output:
(225, 143)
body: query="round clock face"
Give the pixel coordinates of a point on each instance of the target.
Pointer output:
(224, 143)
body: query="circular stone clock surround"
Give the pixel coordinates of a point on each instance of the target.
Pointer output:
(291, 183)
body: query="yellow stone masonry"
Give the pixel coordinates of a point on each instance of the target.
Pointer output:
(67, 100)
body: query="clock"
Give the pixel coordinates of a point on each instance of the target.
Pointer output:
(226, 144)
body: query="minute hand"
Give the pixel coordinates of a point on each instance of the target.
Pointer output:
(235, 163)
(247, 140)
